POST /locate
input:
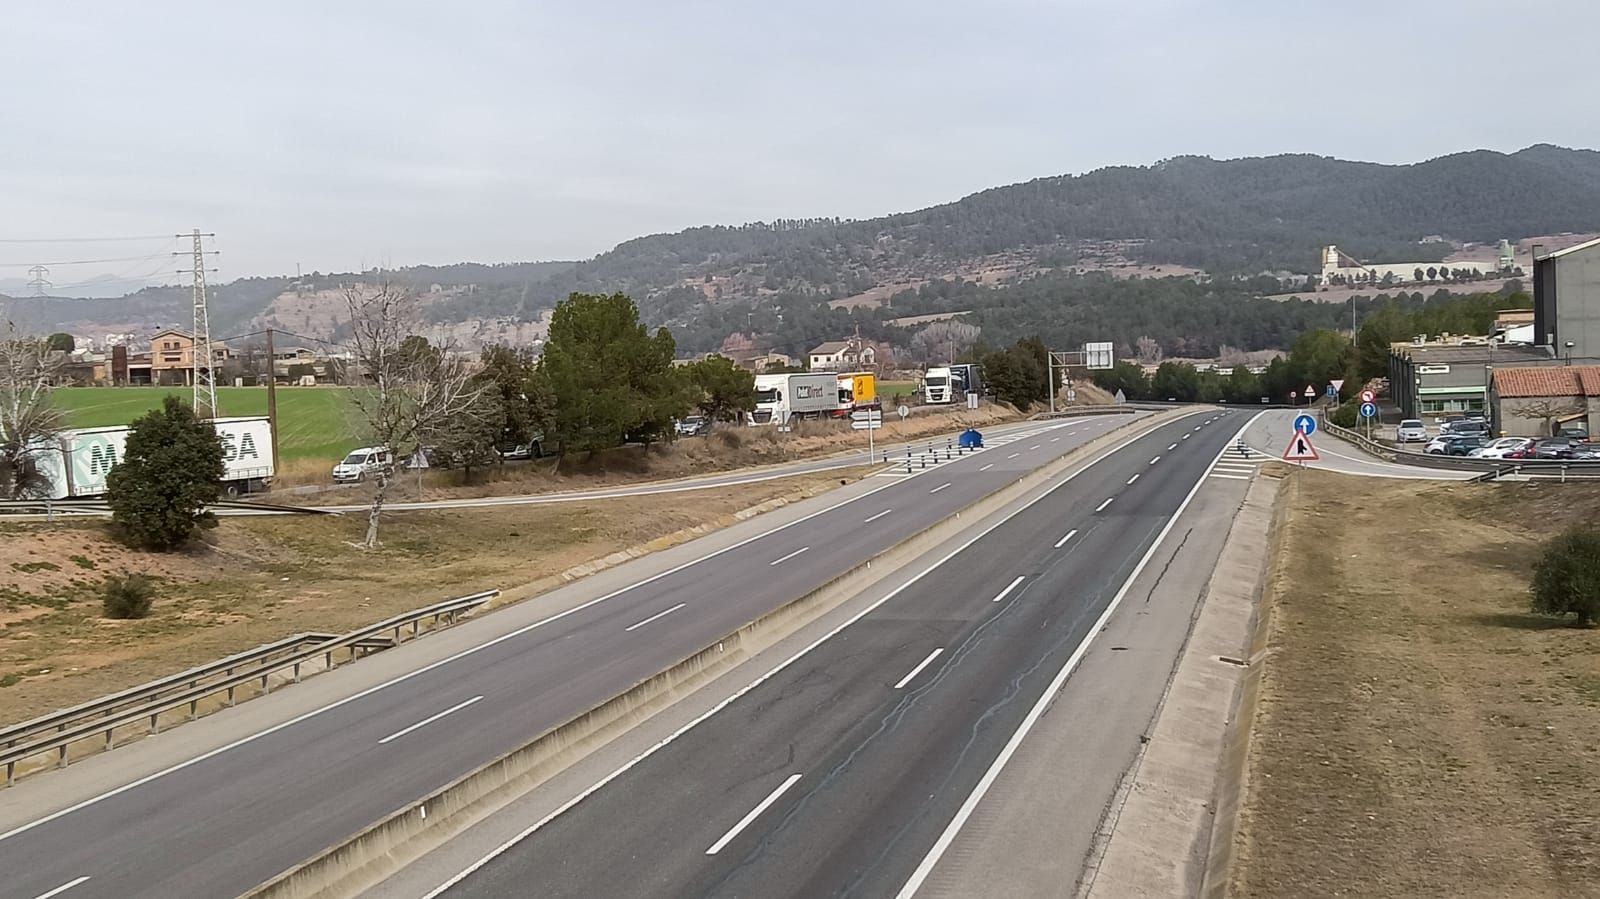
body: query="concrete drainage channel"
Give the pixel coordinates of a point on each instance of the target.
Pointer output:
(365, 859)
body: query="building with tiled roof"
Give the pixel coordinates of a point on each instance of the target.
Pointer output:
(1536, 402)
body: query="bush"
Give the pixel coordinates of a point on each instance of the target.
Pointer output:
(171, 468)
(1566, 580)
(128, 595)
(1346, 415)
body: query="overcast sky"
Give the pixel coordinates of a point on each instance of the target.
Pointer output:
(343, 135)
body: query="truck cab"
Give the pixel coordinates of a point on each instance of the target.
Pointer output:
(936, 386)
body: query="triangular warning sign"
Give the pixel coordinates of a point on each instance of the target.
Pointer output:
(1301, 450)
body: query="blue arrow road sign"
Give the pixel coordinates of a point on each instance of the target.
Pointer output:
(1368, 410)
(1305, 424)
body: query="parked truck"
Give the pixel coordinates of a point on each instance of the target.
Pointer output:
(857, 390)
(951, 383)
(78, 462)
(804, 395)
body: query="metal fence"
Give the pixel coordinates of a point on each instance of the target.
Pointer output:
(142, 707)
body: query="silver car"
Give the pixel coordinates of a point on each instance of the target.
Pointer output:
(1411, 430)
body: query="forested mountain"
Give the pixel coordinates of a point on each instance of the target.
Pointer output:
(1039, 245)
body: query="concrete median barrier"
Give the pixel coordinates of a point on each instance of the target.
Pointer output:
(365, 859)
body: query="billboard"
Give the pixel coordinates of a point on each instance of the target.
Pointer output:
(1097, 355)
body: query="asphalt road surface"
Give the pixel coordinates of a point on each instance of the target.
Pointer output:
(838, 774)
(1271, 432)
(219, 824)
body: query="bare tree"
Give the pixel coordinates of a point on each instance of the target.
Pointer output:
(29, 422)
(408, 391)
(944, 341)
(1149, 350)
(1549, 411)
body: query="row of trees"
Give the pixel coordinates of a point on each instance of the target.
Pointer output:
(1317, 359)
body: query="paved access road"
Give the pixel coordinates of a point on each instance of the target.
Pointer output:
(839, 773)
(916, 451)
(1271, 432)
(220, 824)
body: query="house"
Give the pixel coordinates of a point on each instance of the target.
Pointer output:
(172, 358)
(1537, 402)
(843, 355)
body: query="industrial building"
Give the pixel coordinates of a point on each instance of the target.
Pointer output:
(1538, 402)
(1566, 302)
(1432, 378)
(1341, 267)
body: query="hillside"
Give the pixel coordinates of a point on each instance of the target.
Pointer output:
(1182, 215)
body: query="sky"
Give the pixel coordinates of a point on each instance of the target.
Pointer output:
(340, 136)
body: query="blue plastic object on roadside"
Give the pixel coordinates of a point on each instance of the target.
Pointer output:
(971, 439)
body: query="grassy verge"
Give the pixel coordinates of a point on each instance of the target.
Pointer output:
(1419, 732)
(259, 579)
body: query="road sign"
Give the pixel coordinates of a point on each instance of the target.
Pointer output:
(1300, 449)
(903, 412)
(1337, 384)
(867, 424)
(1072, 395)
(1367, 396)
(1333, 392)
(1310, 391)
(1305, 424)
(867, 415)
(1120, 397)
(1369, 410)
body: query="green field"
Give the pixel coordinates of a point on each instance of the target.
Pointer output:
(313, 422)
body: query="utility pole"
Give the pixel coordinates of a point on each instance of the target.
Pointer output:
(39, 280)
(202, 365)
(272, 395)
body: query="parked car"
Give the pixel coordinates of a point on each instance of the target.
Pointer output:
(368, 460)
(1465, 426)
(693, 426)
(1588, 452)
(1454, 444)
(1504, 448)
(1412, 430)
(1556, 448)
(1577, 432)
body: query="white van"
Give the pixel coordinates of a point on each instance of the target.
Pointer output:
(368, 460)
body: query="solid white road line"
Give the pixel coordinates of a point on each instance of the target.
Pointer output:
(1172, 447)
(1132, 479)
(63, 888)
(633, 627)
(627, 766)
(754, 813)
(987, 467)
(1155, 460)
(1063, 541)
(789, 556)
(918, 670)
(1045, 699)
(877, 516)
(1004, 593)
(1102, 506)
(940, 487)
(1231, 477)
(429, 720)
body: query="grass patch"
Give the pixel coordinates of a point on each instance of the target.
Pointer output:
(82, 562)
(1420, 732)
(35, 567)
(313, 422)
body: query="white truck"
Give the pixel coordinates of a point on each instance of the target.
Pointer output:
(77, 466)
(780, 398)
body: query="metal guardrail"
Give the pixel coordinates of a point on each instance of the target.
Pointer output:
(99, 507)
(1489, 469)
(102, 717)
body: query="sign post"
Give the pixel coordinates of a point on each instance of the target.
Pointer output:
(868, 420)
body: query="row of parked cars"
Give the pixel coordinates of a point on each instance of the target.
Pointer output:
(1470, 435)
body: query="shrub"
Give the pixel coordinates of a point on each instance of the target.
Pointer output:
(171, 468)
(1566, 580)
(128, 595)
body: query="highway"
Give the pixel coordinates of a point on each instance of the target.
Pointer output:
(839, 773)
(222, 822)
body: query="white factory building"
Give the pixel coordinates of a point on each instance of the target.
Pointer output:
(1339, 266)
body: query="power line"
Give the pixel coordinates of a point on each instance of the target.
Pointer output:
(83, 239)
(82, 261)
